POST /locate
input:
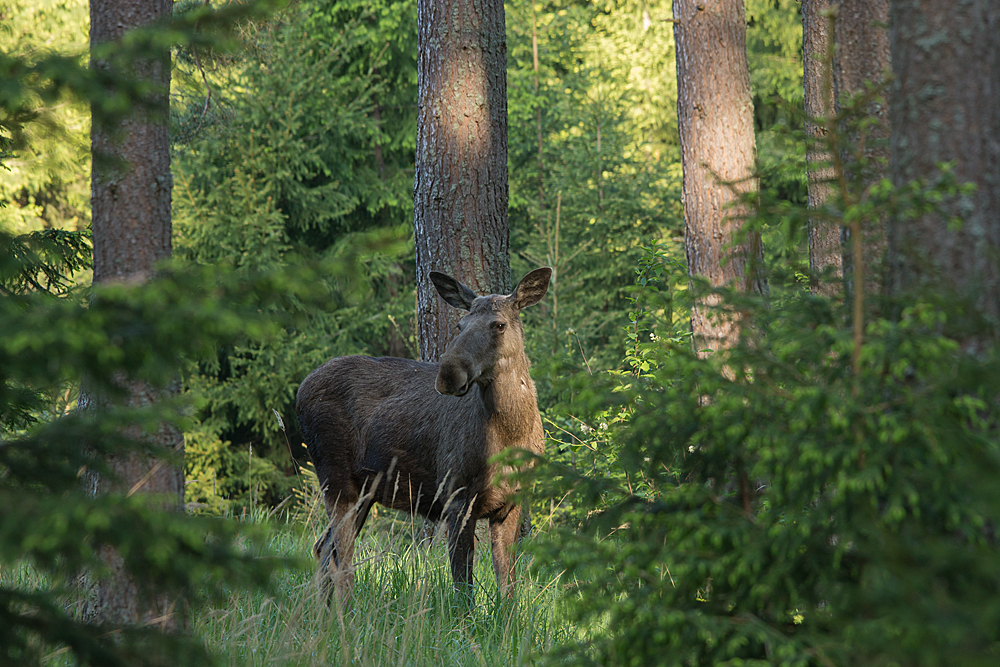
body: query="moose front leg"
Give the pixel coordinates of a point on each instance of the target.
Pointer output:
(503, 532)
(461, 542)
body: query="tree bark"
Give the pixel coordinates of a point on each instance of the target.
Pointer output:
(715, 115)
(825, 254)
(862, 37)
(131, 225)
(863, 59)
(131, 181)
(945, 106)
(460, 191)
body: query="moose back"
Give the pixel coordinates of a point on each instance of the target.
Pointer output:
(418, 437)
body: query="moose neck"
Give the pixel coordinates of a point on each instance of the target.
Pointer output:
(510, 402)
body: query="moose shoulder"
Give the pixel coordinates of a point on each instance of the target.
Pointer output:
(419, 437)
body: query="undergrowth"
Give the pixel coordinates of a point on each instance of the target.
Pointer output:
(403, 610)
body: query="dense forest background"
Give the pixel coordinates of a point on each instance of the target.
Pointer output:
(821, 492)
(302, 143)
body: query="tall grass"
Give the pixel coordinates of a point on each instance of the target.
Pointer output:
(403, 610)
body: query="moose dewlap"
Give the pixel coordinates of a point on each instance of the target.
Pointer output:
(418, 437)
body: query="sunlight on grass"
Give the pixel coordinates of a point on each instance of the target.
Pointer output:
(403, 611)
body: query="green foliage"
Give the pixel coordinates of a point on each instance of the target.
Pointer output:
(48, 179)
(800, 514)
(295, 129)
(383, 48)
(42, 261)
(283, 161)
(319, 106)
(780, 505)
(52, 338)
(144, 333)
(774, 47)
(609, 173)
(584, 430)
(35, 265)
(46, 89)
(610, 164)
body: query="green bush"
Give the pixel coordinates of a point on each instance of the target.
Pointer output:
(53, 530)
(804, 499)
(277, 167)
(801, 514)
(48, 179)
(52, 524)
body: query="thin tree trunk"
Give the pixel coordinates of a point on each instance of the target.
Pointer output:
(460, 191)
(825, 255)
(715, 115)
(863, 60)
(946, 108)
(130, 199)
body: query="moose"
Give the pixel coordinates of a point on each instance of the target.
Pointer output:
(419, 437)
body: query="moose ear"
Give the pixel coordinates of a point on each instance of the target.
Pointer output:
(532, 288)
(453, 292)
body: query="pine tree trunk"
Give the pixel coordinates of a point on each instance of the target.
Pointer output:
(460, 191)
(945, 105)
(863, 60)
(715, 115)
(825, 255)
(130, 191)
(862, 37)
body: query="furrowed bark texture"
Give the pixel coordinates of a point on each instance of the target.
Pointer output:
(460, 191)
(945, 105)
(131, 182)
(862, 48)
(715, 115)
(863, 58)
(130, 189)
(825, 255)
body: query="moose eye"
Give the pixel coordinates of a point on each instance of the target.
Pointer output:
(499, 326)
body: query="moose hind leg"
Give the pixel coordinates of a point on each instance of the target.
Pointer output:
(335, 549)
(325, 549)
(325, 552)
(503, 533)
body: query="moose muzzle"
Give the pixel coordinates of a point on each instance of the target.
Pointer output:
(453, 379)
